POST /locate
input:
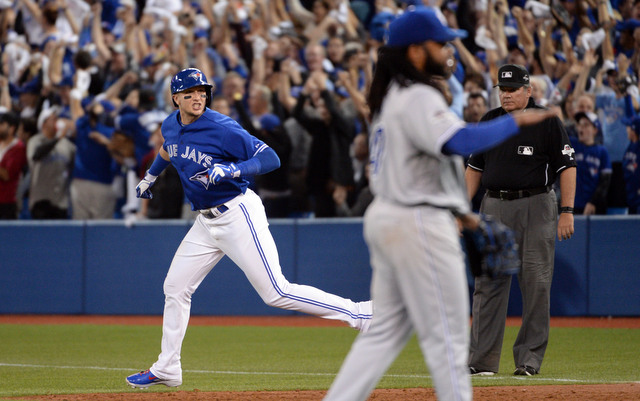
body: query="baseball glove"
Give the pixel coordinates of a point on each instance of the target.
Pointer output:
(121, 146)
(491, 249)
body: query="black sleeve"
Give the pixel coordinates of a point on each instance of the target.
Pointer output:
(245, 119)
(600, 195)
(278, 108)
(308, 123)
(278, 140)
(560, 152)
(246, 52)
(43, 150)
(332, 106)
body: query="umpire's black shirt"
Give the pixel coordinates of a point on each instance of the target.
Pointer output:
(531, 159)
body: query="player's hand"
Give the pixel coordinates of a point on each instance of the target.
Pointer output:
(222, 172)
(532, 116)
(143, 189)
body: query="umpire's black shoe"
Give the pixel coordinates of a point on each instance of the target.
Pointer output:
(525, 371)
(477, 372)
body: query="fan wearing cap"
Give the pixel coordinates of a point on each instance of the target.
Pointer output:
(92, 196)
(50, 155)
(518, 176)
(419, 281)
(630, 166)
(593, 166)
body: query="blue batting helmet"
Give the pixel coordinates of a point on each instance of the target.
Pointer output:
(190, 78)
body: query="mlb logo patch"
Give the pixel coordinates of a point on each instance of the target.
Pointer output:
(525, 150)
(507, 74)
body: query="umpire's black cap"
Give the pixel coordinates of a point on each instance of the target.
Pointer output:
(513, 76)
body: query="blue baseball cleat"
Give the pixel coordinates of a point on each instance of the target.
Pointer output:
(146, 379)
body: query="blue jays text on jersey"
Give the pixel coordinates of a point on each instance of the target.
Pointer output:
(196, 147)
(192, 154)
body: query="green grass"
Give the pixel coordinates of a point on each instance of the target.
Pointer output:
(58, 359)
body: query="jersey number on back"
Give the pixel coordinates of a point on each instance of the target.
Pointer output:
(376, 150)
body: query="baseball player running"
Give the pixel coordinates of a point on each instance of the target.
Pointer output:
(213, 156)
(419, 281)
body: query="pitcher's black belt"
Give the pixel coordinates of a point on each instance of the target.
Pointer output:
(508, 194)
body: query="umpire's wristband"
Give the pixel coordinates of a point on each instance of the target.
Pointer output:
(566, 209)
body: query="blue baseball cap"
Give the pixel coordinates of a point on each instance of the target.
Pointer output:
(628, 25)
(378, 28)
(419, 24)
(269, 122)
(560, 56)
(147, 61)
(592, 117)
(33, 86)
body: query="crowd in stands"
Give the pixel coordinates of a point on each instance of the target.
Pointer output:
(84, 88)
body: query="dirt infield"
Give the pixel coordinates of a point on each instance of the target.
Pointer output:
(603, 392)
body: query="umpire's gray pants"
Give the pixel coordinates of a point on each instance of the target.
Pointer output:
(534, 221)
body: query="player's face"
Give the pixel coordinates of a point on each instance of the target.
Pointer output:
(513, 99)
(586, 131)
(439, 59)
(191, 103)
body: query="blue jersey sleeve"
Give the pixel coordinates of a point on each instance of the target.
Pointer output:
(266, 160)
(482, 136)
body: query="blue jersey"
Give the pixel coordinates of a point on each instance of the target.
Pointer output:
(592, 162)
(614, 131)
(139, 126)
(196, 147)
(632, 173)
(92, 161)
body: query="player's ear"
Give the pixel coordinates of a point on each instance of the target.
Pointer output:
(173, 99)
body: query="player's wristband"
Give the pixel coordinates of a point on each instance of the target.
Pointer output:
(566, 209)
(158, 165)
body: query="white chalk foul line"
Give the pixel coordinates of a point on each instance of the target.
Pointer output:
(230, 372)
(223, 372)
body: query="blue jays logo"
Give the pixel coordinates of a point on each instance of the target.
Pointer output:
(202, 177)
(196, 75)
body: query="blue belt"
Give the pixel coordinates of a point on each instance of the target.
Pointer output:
(214, 212)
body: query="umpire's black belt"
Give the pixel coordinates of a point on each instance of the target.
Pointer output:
(508, 194)
(214, 212)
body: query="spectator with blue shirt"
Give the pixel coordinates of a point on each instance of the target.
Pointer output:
(630, 166)
(92, 196)
(593, 167)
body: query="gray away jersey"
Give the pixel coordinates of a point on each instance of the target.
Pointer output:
(407, 165)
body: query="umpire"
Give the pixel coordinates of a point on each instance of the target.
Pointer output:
(519, 175)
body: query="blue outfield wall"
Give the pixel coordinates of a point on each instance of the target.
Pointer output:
(70, 267)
